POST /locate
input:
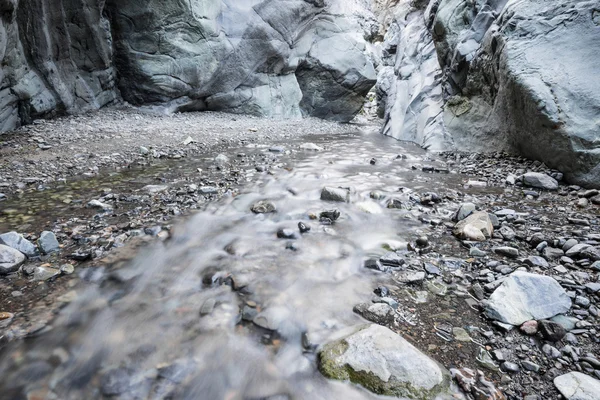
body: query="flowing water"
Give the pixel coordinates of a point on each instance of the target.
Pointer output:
(226, 309)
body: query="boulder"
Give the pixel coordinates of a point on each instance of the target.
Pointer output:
(578, 386)
(383, 362)
(10, 259)
(476, 226)
(524, 296)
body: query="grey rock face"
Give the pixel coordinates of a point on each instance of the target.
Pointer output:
(18, 242)
(409, 84)
(513, 90)
(383, 362)
(56, 58)
(578, 386)
(524, 296)
(265, 57)
(10, 259)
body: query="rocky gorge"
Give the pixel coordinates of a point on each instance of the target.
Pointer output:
(163, 250)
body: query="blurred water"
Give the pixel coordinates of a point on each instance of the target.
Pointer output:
(169, 325)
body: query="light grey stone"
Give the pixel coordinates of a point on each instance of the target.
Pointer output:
(48, 243)
(465, 210)
(10, 259)
(18, 242)
(540, 181)
(476, 226)
(578, 386)
(44, 273)
(524, 296)
(384, 363)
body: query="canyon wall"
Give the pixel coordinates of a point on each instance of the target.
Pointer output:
(520, 76)
(276, 58)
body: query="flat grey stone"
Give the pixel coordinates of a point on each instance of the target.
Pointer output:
(578, 386)
(524, 296)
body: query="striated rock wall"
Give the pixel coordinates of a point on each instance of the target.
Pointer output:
(56, 58)
(277, 58)
(519, 76)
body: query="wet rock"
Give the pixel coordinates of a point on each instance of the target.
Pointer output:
(375, 265)
(552, 331)
(208, 190)
(422, 241)
(44, 273)
(263, 207)
(48, 243)
(383, 362)
(578, 386)
(331, 215)
(18, 242)
(10, 259)
(303, 228)
(380, 313)
(540, 181)
(335, 194)
(392, 259)
(592, 253)
(285, 233)
(99, 205)
(477, 226)
(524, 296)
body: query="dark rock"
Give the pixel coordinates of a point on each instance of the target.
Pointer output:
(551, 331)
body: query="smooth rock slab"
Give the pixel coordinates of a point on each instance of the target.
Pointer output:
(578, 386)
(524, 296)
(10, 259)
(384, 363)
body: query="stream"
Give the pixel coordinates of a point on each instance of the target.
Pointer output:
(226, 309)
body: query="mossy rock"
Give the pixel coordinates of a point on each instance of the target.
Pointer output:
(384, 363)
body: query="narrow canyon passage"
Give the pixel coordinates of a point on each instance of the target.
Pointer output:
(299, 199)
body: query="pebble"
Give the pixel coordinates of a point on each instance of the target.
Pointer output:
(48, 243)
